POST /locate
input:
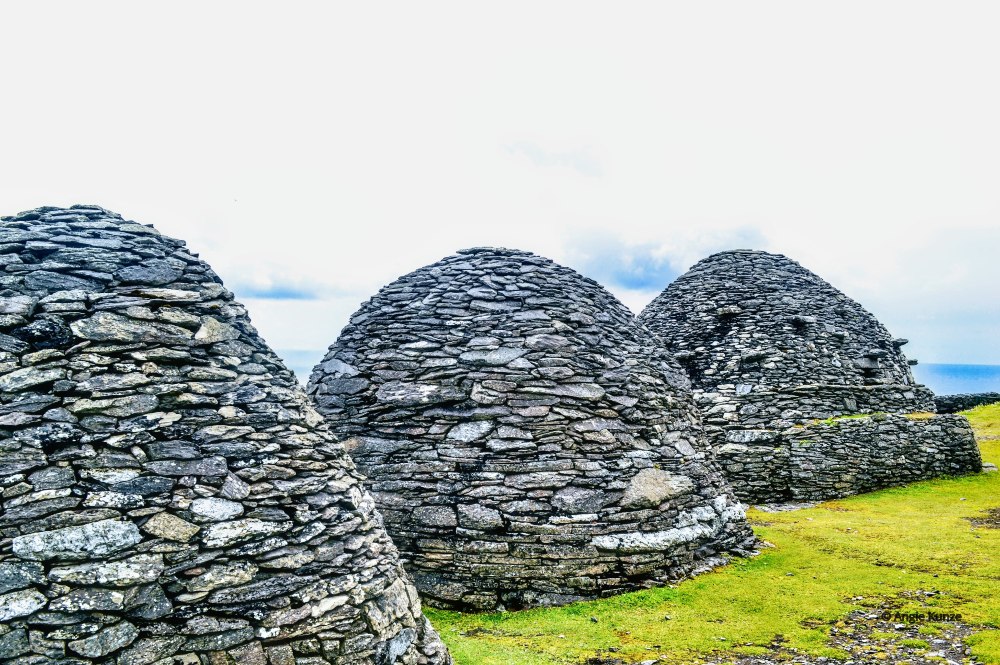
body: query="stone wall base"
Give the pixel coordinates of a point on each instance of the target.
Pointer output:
(840, 457)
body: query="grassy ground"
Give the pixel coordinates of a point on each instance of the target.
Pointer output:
(826, 561)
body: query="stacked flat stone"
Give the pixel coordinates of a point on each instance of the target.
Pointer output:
(169, 495)
(771, 348)
(964, 401)
(524, 437)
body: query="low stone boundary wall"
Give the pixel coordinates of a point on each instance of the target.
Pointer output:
(841, 457)
(961, 402)
(750, 407)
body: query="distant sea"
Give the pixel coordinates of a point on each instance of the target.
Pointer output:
(954, 379)
(942, 379)
(301, 361)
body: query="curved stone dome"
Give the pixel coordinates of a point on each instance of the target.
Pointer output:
(168, 490)
(754, 318)
(769, 345)
(524, 438)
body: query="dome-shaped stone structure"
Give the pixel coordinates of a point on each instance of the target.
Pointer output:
(525, 440)
(169, 493)
(771, 348)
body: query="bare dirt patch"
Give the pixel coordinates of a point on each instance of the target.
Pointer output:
(990, 519)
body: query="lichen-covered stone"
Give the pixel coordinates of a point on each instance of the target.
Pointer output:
(106, 641)
(771, 349)
(512, 417)
(168, 492)
(93, 540)
(20, 603)
(171, 527)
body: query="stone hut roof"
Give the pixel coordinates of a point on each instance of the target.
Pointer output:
(753, 317)
(526, 440)
(768, 346)
(169, 492)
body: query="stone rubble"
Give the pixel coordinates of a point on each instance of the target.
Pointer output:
(169, 495)
(525, 439)
(771, 349)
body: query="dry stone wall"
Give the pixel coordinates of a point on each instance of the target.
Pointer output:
(169, 495)
(526, 440)
(769, 346)
(844, 456)
(964, 401)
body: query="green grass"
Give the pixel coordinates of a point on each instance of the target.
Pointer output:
(878, 415)
(986, 421)
(826, 561)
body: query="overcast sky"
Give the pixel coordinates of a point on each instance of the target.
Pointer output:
(312, 152)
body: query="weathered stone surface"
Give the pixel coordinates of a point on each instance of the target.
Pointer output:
(42, 280)
(411, 394)
(470, 431)
(574, 500)
(215, 509)
(507, 412)
(212, 330)
(171, 527)
(494, 357)
(479, 517)
(110, 327)
(206, 466)
(117, 407)
(769, 346)
(20, 603)
(641, 542)
(437, 516)
(172, 495)
(224, 534)
(149, 273)
(651, 487)
(150, 650)
(126, 572)
(21, 305)
(78, 600)
(223, 576)
(22, 379)
(114, 382)
(87, 541)
(15, 643)
(20, 574)
(107, 641)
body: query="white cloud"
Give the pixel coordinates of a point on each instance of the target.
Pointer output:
(343, 144)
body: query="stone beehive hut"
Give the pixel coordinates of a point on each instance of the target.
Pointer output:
(771, 349)
(524, 439)
(168, 491)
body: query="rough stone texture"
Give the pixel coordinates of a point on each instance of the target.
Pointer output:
(840, 457)
(961, 402)
(525, 439)
(769, 346)
(168, 492)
